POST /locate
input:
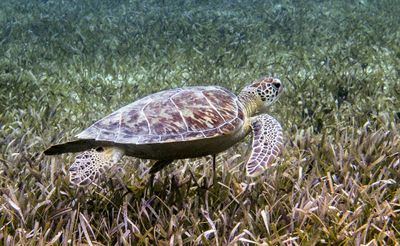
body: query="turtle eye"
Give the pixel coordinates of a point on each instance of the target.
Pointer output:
(277, 85)
(100, 149)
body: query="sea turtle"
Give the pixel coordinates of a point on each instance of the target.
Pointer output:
(177, 124)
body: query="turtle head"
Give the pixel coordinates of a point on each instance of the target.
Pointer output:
(261, 93)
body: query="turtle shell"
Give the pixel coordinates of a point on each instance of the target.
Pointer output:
(175, 115)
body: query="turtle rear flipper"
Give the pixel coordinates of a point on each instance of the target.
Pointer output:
(267, 143)
(90, 165)
(71, 147)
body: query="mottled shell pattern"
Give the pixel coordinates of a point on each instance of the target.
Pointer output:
(181, 114)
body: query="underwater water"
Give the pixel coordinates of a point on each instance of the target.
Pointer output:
(66, 64)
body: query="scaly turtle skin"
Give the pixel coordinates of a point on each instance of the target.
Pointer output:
(177, 124)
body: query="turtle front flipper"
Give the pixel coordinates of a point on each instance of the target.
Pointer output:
(90, 165)
(267, 143)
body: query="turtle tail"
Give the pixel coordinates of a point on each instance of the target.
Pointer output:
(90, 165)
(71, 147)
